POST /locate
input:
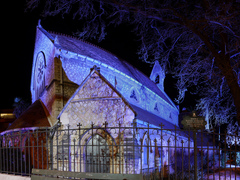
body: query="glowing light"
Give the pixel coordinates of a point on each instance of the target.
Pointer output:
(7, 115)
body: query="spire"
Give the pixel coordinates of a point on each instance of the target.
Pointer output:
(39, 23)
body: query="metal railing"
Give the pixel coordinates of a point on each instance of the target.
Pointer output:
(154, 152)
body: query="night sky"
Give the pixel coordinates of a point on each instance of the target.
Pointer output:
(19, 39)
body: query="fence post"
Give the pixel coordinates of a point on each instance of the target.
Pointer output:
(195, 154)
(51, 136)
(1, 155)
(69, 149)
(80, 139)
(134, 150)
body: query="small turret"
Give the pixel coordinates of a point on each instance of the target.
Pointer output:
(158, 75)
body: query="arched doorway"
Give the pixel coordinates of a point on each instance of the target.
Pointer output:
(97, 155)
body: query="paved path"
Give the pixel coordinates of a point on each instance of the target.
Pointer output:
(227, 174)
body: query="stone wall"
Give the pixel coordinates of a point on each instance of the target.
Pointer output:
(96, 102)
(63, 89)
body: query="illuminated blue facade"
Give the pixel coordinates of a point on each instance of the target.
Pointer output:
(74, 92)
(77, 57)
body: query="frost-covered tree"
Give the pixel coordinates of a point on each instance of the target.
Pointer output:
(198, 41)
(217, 105)
(233, 131)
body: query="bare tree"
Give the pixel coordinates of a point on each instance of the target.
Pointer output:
(198, 41)
(217, 106)
(233, 131)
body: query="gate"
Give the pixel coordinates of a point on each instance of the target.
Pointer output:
(97, 155)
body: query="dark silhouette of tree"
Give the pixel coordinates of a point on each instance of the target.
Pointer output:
(197, 41)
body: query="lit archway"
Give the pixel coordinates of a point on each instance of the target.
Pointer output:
(97, 155)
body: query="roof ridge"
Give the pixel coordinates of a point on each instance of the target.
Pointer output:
(132, 70)
(87, 42)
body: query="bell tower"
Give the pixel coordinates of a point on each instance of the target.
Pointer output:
(158, 75)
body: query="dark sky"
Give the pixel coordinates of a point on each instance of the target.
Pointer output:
(19, 38)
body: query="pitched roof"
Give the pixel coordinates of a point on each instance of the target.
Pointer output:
(35, 116)
(151, 118)
(92, 72)
(84, 48)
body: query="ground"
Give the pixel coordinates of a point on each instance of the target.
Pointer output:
(225, 174)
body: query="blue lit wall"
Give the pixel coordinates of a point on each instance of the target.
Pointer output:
(77, 67)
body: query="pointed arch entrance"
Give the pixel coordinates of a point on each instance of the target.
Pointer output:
(97, 155)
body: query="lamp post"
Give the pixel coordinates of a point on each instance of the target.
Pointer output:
(194, 123)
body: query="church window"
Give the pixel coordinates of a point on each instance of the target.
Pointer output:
(157, 79)
(145, 155)
(97, 155)
(170, 115)
(133, 95)
(63, 148)
(39, 75)
(160, 153)
(146, 151)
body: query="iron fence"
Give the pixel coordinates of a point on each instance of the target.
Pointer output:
(154, 152)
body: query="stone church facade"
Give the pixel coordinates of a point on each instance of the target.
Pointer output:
(61, 63)
(75, 82)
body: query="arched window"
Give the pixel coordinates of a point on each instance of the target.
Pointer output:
(39, 74)
(97, 155)
(147, 150)
(157, 79)
(63, 148)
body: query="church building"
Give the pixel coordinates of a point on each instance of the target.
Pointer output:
(74, 82)
(62, 63)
